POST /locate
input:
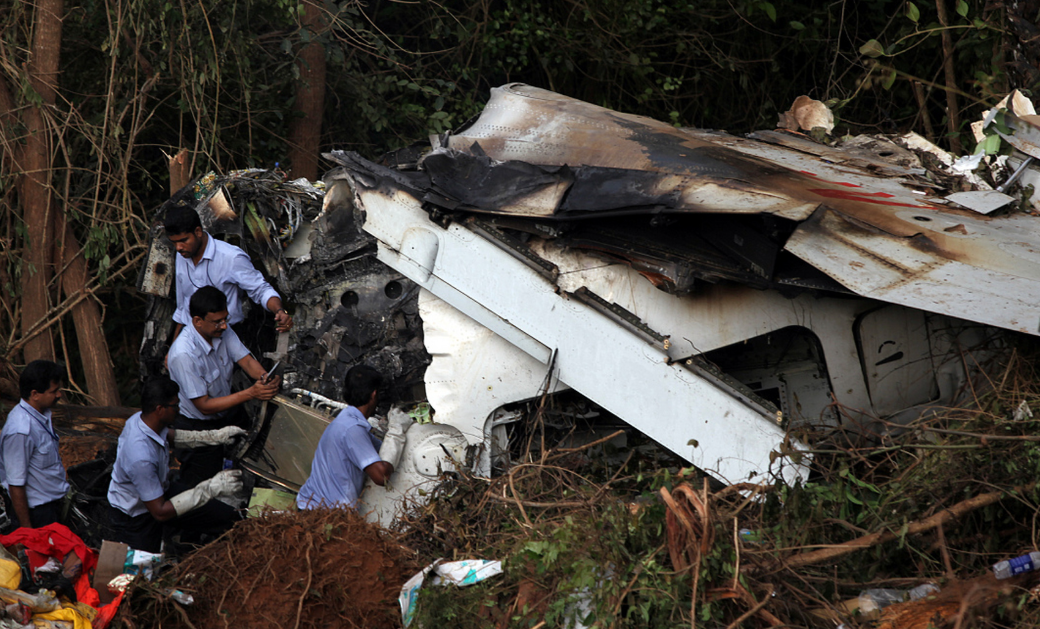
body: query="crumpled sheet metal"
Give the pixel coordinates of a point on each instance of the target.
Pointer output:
(473, 371)
(880, 236)
(595, 160)
(669, 169)
(978, 271)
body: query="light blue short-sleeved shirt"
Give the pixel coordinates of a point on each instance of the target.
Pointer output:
(223, 266)
(142, 467)
(29, 455)
(346, 448)
(203, 369)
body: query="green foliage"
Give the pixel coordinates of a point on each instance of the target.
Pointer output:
(605, 563)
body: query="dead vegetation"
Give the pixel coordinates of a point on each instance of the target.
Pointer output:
(321, 568)
(645, 543)
(638, 546)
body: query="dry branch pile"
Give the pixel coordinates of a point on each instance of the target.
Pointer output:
(936, 502)
(321, 568)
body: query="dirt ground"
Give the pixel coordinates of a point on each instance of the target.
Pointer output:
(80, 449)
(321, 568)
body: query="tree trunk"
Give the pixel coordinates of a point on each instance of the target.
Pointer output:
(953, 118)
(34, 184)
(180, 171)
(93, 348)
(305, 128)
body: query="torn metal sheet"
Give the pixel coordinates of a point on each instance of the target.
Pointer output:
(535, 153)
(982, 201)
(982, 271)
(287, 439)
(888, 238)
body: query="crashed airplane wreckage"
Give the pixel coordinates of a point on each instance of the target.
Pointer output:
(723, 295)
(710, 290)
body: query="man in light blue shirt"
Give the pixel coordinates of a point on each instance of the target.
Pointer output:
(347, 451)
(206, 261)
(201, 361)
(30, 463)
(143, 500)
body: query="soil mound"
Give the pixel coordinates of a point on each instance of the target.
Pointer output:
(321, 568)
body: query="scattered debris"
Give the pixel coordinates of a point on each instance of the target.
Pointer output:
(807, 114)
(459, 573)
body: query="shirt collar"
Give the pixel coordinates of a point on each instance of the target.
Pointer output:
(43, 418)
(358, 416)
(200, 342)
(159, 438)
(211, 248)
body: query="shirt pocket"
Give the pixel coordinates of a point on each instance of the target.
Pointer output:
(211, 374)
(47, 452)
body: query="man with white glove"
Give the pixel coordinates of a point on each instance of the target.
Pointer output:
(143, 500)
(225, 483)
(347, 451)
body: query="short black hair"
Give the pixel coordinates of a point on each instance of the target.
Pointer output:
(359, 383)
(158, 391)
(181, 219)
(39, 375)
(206, 300)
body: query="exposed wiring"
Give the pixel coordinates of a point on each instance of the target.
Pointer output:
(319, 399)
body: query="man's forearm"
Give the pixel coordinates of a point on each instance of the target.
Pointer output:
(213, 405)
(20, 502)
(252, 367)
(161, 509)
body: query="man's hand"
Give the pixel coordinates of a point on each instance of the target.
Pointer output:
(282, 321)
(264, 391)
(380, 472)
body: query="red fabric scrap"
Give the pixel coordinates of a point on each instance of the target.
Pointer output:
(56, 540)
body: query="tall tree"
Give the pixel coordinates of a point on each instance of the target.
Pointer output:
(44, 218)
(34, 183)
(309, 104)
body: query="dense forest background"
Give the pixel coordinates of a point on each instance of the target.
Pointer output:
(107, 105)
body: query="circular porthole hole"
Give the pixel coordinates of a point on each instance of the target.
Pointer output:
(393, 289)
(349, 299)
(923, 219)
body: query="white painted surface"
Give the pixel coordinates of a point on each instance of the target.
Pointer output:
(709, 426)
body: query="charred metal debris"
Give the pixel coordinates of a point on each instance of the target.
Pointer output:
(757, 289)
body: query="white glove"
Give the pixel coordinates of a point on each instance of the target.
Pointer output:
(393, 444)
(398, 421)
(197, 438)
(225, 483)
